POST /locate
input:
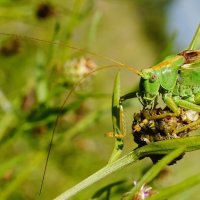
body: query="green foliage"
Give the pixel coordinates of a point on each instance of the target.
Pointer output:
(38, 72)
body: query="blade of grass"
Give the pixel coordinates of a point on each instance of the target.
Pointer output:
(162, 147)
(110, 168)
(154, 171)
(196, 38)
(176, 189)
(93, 29)
(116, 120)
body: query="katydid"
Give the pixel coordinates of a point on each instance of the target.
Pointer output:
(171, 78)
(166, 79)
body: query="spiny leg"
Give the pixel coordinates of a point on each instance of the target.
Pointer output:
(174, 103)
(130, 95)
(171, 104)
(186, 104)
(190, 106)
(183, 128)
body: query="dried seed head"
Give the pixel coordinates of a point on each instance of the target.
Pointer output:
(78, 68)
(146, 131)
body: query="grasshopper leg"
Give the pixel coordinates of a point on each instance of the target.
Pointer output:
(174, 103)
(195, 123)
(169, 101)
(186, 104)
(197, 98)
(130, 95)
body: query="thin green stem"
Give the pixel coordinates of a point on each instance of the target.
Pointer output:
(109, 169)
(194, 43)
(162, 147)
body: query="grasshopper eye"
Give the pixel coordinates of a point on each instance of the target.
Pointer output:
(153, 78)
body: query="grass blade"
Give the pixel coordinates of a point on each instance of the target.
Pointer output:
(154, 171)
(162, 147)
(117, 120)
(195, 40)
(176, 189)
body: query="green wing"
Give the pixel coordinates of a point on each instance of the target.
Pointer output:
(190, 74)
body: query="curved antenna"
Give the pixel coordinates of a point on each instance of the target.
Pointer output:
(58, 116)
(61, 110)
(117, 64)
(120, 64)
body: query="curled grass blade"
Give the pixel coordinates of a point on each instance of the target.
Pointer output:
(116, 120)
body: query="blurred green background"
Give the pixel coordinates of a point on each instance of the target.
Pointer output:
(35, 78)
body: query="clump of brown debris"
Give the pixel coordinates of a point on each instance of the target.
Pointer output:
(148, 127)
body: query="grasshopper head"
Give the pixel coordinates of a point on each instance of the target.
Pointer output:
(149, 86)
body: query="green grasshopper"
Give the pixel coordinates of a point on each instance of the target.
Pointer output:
(176, 78)
(173, 79)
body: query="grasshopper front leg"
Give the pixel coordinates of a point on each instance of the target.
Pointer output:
(189, 106)
(174, 104)
(130, 95)
(171, 104)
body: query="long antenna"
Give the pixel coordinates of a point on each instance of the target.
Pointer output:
(117, 64)
(58, 116)
(61, 109)
(75, 48)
